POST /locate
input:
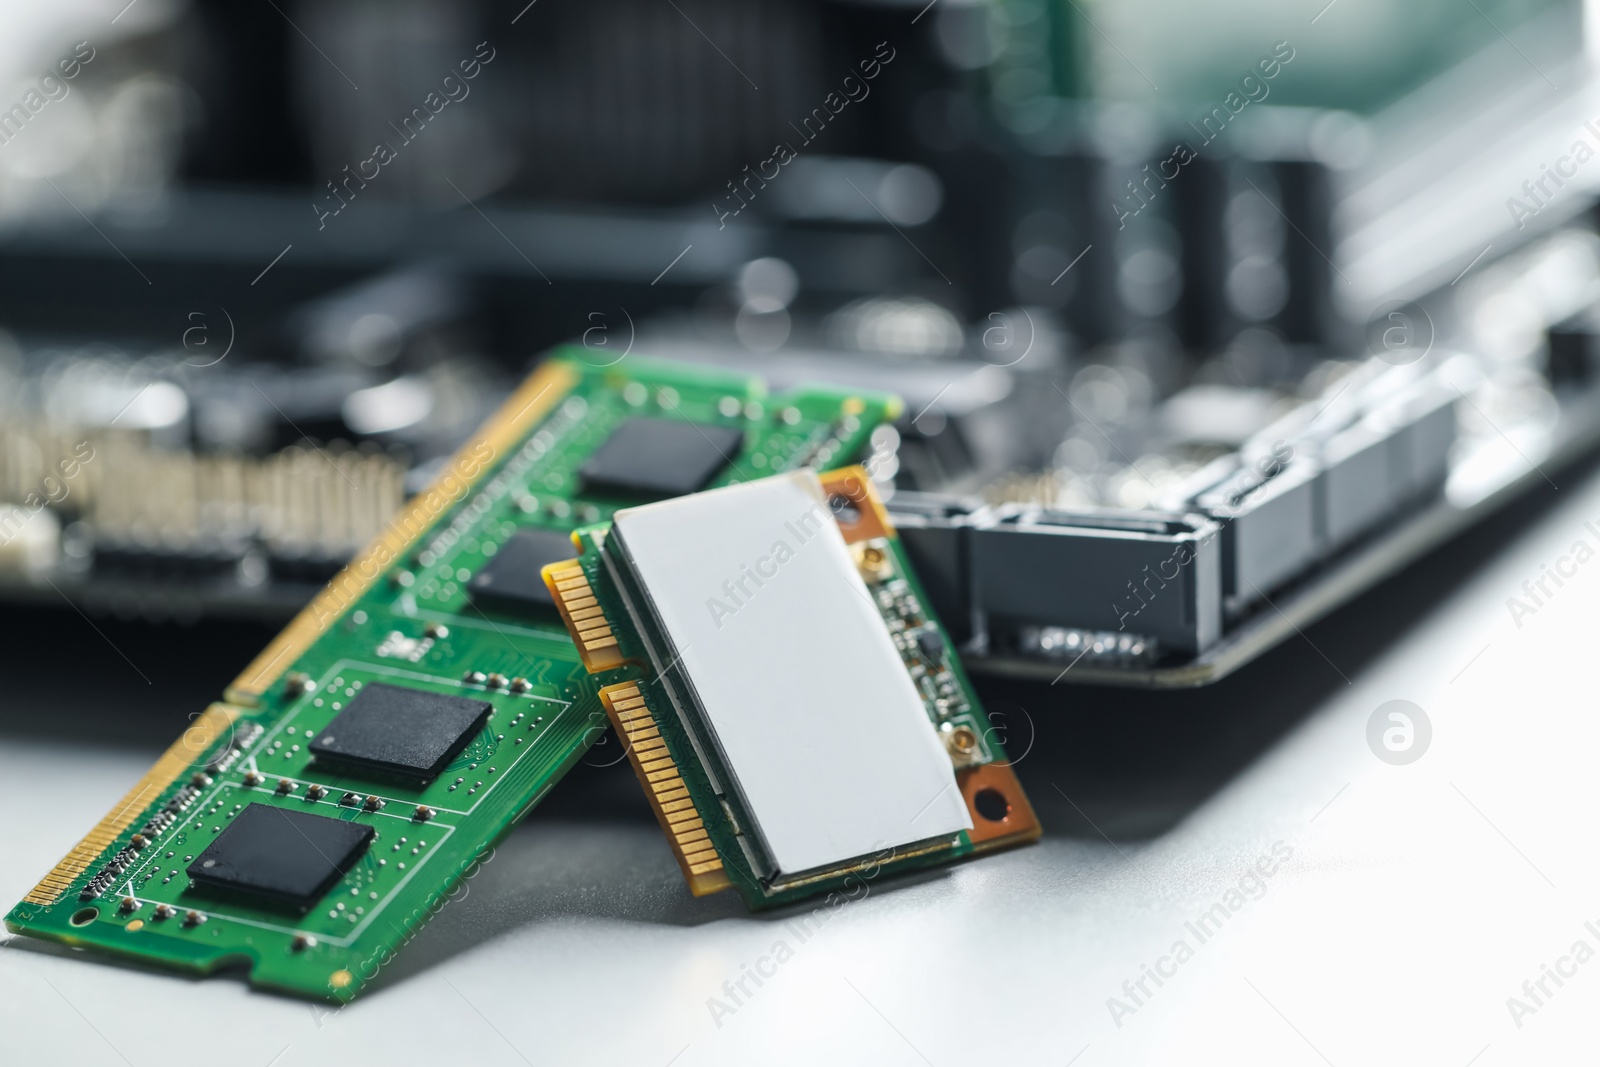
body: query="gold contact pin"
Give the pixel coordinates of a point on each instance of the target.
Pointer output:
(194, 743)
(664, 788)
(585, 618)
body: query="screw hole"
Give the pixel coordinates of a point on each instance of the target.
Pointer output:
(84, 916)
(844, 509)
(992, 805)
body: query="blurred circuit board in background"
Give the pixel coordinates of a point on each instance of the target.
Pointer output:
(1235, 347)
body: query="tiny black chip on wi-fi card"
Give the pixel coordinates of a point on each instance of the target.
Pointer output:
(280, 857)
(396, 732)
(511, 576)
(655, 458)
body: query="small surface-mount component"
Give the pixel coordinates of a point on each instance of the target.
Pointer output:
(653, 458)
(316, 792)
(510, 579)
(398, 646)
(279, 855)
(423, 813)
(155, 826)
(110, 873)
(401, 733)
(182, 799)
(245, 735)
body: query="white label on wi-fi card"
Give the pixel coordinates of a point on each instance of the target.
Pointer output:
(811, 706)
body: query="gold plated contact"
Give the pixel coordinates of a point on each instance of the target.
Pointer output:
(665, 789)
(872, 562)
(584, 617)
(198, 739)
(962, 744)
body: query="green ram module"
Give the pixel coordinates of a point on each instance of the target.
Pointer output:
(798, 717)
(308, 823)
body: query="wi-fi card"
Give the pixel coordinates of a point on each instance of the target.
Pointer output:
(796, 714)
(307, 825)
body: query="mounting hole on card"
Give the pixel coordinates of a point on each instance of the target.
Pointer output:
(992, 804)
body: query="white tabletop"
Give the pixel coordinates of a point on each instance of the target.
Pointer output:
(1416, 901)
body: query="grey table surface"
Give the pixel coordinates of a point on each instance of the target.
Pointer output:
(1405, 906)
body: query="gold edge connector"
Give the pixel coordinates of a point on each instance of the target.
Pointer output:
(195, 742)
(664, 788)
(537, 396)
(585, 619)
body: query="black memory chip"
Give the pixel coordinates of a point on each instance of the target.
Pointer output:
(512, 574)
(279, 856)
(400, 733)
(660, 458)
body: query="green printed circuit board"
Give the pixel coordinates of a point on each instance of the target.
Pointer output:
(309, 822)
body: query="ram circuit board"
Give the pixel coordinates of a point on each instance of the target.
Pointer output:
(795, 712)
(309, 822)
